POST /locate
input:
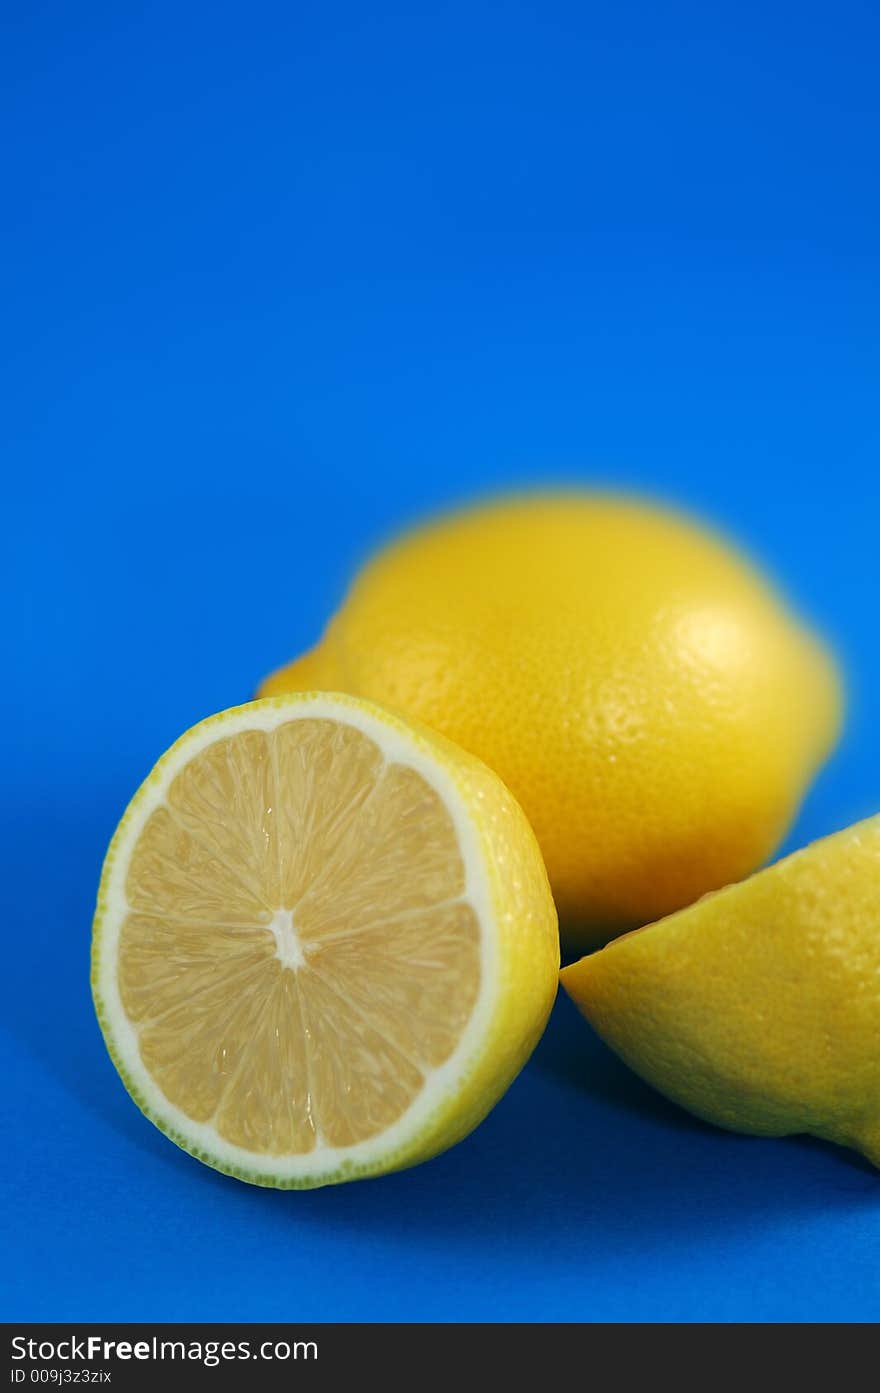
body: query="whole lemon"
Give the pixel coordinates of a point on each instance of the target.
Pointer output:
(647, 698)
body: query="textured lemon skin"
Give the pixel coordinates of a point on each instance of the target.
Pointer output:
(527, 947)
(646, 697)
(759, 1008)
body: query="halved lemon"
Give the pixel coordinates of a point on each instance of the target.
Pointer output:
(324, 944)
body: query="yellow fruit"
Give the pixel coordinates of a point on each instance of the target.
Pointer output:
(758, 1008)
(644, 694)
(324, 943)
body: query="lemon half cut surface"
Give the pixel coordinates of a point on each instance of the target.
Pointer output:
(324, 944)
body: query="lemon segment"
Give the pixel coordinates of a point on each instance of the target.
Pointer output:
(759, 1007)
(324, 942)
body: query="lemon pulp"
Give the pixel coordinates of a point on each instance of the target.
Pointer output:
(298, 953)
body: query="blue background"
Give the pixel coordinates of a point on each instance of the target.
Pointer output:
(276, 279)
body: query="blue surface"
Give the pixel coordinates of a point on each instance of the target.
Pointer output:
(276, 280)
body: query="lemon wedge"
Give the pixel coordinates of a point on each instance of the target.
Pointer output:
(758, 1008)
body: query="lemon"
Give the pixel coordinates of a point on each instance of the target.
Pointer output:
(650, 702)
(758, 1008)
(324, 943)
